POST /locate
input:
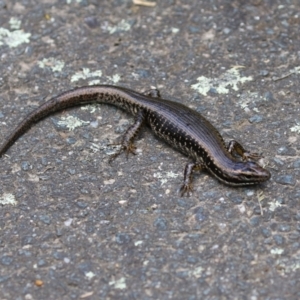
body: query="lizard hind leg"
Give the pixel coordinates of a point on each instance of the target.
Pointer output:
(127, 144)
(187, 187)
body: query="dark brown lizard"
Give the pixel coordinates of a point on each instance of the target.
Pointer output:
(181, 127)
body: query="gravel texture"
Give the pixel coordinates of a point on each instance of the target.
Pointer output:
(73, 226)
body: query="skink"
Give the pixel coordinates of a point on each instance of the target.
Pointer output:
(181, 127)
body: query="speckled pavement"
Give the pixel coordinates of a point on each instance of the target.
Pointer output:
(73, 226)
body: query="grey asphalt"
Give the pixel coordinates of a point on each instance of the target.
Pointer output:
(73, 226)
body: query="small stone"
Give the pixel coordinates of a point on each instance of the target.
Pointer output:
(255, 221)
(58, 255)
(44, 161)
(122, 238)
(161, 224)
(85, 267)
(296, 163)
(45, 219)
(279, 239)
(143, 73)
(295, 247)
(213, 90)
(68, 222)
(71, 171)
(284, 228)
(294, 236)
(59, 232)
(268, 241)
(25, 252)
(266, 232)
(87, 135)
(27, 240)
(256, 119)
(25, 165)
(226, 30)
(269, 96)
(264, 73)
(286, 151)
(91, 21)
(192, 260)
(4, 278)
(286, 180)
(74, 279)
(89, 228)
(81, 204)
(280, 201)
(71, 140)
(194, 29)
(278, 161)
(182, 203)
(6, 260)
(41, 263)
(236, 199)
(200, 214)
(39, 282)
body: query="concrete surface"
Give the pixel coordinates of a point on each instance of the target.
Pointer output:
(74, 227)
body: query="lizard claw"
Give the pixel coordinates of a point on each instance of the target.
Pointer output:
(185, 189)
(251, 156)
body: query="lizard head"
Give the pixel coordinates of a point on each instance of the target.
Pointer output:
(251, 173)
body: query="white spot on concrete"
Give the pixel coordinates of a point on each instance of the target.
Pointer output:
(294, 267)
(8, 198)
(67, 260)
(164, 176)
(90, 107)
(54, 64)
(95, 148)
(115, 78)
(89, 275)
(196, 272)
(277, 251)
(13, 38)
(124, 25)
(175, 30)
(209, 35)
(75, 1)
(137, 243)
(122, 202)
(171, 174)
(296, 128)
(14, 23)
(94, 82)
(241, 208)
(274, 205)
(249, 193)
(72, 122)
(296, 70)
(119, 284)
(288, 264)
(68, 222)
(85, 74)
(110, 181)
(231, 78)
(144, 3)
